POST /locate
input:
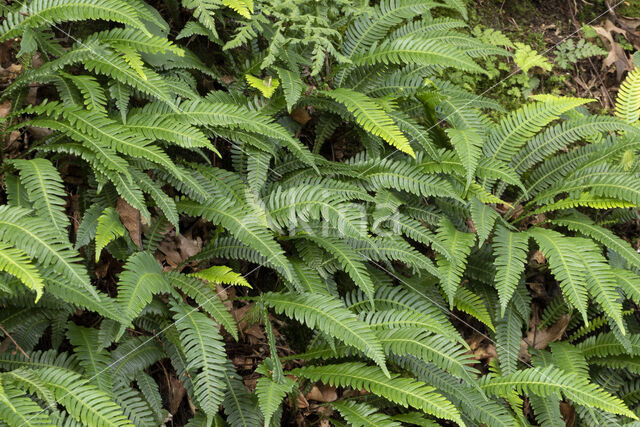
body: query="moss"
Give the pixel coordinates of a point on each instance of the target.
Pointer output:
(630, 8)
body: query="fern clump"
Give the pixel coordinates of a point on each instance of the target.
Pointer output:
(308, 180)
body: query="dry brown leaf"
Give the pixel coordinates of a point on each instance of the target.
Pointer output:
(568, 413)
(188, 247)
(5, 108)
(617, 56)
(540, 339)
(538, 257)
(131, 220)
(176, 394)
(300, 115)
(323, 393)
(301, 401)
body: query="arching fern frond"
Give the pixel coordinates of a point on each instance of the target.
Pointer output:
(403, 391)
(329, 315)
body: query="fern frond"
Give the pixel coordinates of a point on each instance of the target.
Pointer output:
(141, 279)
(50, 12)
(84, 401)
(92, 357)
(204, 350)
(244, 226)
(504, 141)
(563, 254)
(400, 390)
(46, 191)
(371, 116)
(108, 229)
(36, 238)
(18, 409)
(362, 414)
(329, 315)
(510, 250)
(16, 262)
(628, 101)
(459, 245)
(271, 392)
(240, 407)
(550, 380)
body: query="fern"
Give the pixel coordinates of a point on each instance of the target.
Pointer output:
(404, 391)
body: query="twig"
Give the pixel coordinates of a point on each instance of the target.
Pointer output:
(4, 331)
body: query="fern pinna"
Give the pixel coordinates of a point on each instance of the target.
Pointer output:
(423, 238)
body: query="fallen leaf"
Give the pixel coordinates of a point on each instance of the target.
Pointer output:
(323, 394)
(617, 56)
(568, 413)
(300, 115)
(5, 108)
(301, 401)
(131, 220)
(176, 394)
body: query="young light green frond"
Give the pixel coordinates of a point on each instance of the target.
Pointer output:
(50, 12)
(221, 275)
(363, 414)
(16, 262)
(372, 117)
(563, 255)
(403, 391)
(459, 245)
(510, 250)
(204, 350)
(141, 279)
(329, 315)
(83, 400)
(46, 191)
(547, 381)
(628, 101)
(109, 228)
(504, 141)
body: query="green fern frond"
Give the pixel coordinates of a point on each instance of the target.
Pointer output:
(550, 380)
(459, 245)
(504, 141)
(563, 254)
(204, 350)
(50, 12)
(83, 400)
(141, 279)
(46, 191)
(16, 262)
(18, 409)
(628, 101)
(36, 238)
(510, 251)
(271, 392)
(94, 359)
(244, 227)
(108, 229)
(329, 315)
(363, 415)
(372, 117)
(400, 390)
